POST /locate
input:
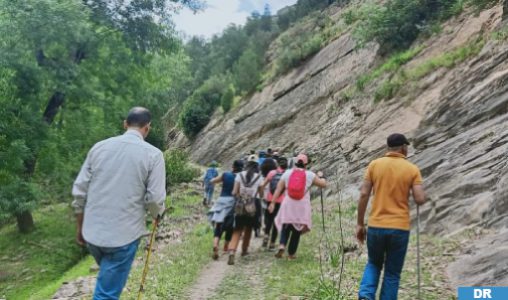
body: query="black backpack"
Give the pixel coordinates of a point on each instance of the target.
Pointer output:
(275, 181)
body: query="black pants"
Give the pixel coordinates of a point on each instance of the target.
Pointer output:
(219, 229)
(270, 222)
(290, 233)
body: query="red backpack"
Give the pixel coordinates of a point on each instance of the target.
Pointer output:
(296, 184)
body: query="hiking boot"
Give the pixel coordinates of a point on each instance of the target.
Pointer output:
(271, 247)
(245, 253)
(215, 254)
(279, 253)
(204, 201)
(265, 242)
(231, 259)
(291, 257)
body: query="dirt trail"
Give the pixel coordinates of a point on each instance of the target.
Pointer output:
(210, 278)
(215, 272)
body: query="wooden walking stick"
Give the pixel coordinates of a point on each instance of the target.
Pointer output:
(145, 268)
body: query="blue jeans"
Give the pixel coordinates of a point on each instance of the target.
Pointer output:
(115, 265)
(209, 192)
(386, 247)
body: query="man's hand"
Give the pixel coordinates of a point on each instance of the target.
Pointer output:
(79, 232)
(360, 234)
(319, 174)
(79, 238)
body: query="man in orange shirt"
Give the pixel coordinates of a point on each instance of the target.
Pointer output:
(392, 178)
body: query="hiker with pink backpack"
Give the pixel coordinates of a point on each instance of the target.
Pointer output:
(295, 213)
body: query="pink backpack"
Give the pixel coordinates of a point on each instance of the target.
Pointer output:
(296, 184)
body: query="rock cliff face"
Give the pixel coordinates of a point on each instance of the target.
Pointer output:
(457, 118)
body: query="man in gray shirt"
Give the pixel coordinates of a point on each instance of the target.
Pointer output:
(121, 178)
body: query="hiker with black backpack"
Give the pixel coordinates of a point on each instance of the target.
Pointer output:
(294, 217)
(221, 214)
(247, 188)
(271, 181)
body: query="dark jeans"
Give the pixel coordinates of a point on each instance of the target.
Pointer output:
(114, 267)
(219, 230)
(290, 233)
(270, 224)
(386, 248)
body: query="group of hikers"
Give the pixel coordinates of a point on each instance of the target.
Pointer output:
(262, 187)
(123, 177)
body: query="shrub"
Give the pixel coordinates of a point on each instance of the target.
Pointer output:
(227, 99)
(199, 107)
(396, 24)
(297, 49)
(178, 169)
(247, 71)
(391, 65)
(391, 87)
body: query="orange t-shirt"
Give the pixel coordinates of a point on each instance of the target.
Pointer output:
(392, 178)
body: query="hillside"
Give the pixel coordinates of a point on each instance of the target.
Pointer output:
(450, 95)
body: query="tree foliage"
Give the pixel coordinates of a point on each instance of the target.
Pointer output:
(69, 71)
(227, 99)
(178, 168)
(396, 24)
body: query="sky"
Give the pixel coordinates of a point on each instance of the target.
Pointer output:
(220, 13)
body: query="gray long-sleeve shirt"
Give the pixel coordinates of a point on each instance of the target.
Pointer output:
(121, 178)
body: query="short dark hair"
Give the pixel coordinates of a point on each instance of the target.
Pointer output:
(238, 166)
(267, 166)
(283, 163)
(138, 117)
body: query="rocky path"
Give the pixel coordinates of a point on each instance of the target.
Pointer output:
(81, 288)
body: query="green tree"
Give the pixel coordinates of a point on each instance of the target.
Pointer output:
(396, 24)
(199, 107)
(73, 68)
(227, 99)
(247, 71)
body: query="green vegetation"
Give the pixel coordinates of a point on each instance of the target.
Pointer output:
(182, 260)
(79, 270)
(35, 260)
(227, 99)
(447, 60)
(178, 169)
(391, 65)
(181, 265)
(397, 23)
(300, 42)
(391, 86)
(69, 72)
(35, 266)
(501, 34)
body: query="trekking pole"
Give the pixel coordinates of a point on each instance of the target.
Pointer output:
(418, 247)
(145, 268)
(322, 210)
